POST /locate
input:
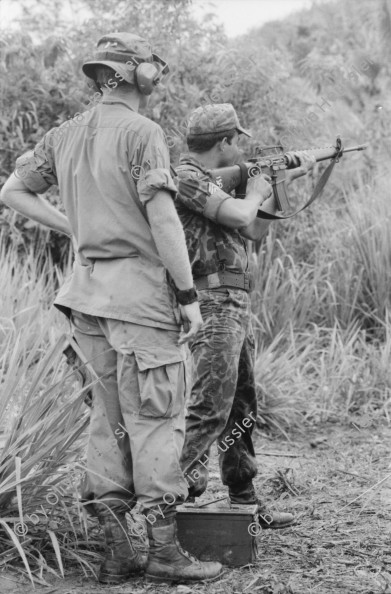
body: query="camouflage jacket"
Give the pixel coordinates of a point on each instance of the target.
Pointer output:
(212, 247)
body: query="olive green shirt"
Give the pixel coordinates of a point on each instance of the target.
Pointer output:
(108, 163)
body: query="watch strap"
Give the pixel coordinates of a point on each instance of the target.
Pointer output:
(187, 297)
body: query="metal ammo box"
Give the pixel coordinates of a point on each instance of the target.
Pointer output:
(219, 532)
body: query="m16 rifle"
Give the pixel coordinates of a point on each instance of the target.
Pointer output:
(272, 160)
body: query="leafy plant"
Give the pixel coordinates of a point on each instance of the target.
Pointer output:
(41, 458)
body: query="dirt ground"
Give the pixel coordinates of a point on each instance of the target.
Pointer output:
(337, 480)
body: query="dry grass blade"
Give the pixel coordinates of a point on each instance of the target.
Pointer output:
(18, 464)
(286, 483)
(383, 480)
(56, 548)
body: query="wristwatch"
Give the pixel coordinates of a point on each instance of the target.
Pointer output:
(186, 297)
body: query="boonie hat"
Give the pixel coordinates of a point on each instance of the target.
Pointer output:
(122, 52)
(218, 117)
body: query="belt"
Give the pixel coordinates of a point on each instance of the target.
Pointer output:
(235, 280)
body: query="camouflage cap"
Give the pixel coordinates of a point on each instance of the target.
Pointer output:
(122, 52)
(218, 117)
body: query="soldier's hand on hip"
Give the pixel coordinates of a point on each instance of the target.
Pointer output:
(192, 321)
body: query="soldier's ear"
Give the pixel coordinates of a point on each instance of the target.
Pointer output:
(223, 144)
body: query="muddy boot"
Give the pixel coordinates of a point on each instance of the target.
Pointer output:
(168, 562)
(122, 560)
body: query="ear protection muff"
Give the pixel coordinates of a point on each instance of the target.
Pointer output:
(147, 75)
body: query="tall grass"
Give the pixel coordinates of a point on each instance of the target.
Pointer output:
(330, 264)
(322, 307)
(43, 420)
(40, 462)
(27, 288)
(322, 374)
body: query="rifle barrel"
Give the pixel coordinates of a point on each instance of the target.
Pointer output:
(359, 147)
(320, 154)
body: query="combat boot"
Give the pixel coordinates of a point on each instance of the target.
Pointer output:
(274, 520)
(122, 560)
(245, 495)
(168, 562)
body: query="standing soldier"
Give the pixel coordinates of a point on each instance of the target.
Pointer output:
(112, 168)
(223, 403)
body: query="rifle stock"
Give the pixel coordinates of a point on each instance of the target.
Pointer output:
(273, 162)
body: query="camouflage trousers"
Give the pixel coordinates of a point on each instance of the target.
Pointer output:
(223, 403)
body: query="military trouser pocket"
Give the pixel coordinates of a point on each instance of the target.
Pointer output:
(162, 383)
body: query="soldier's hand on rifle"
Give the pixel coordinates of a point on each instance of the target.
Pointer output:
(191, 320)
(260, 186)
(306, 163)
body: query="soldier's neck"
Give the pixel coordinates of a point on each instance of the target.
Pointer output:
(122, 95)
(209, 159)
